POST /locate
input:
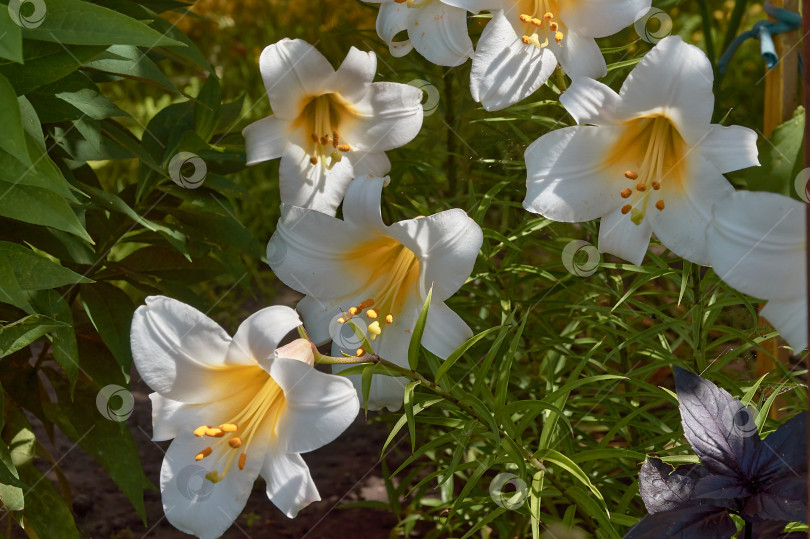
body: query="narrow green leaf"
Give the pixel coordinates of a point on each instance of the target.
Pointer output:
(408, 399)
(207, 107)
(129, 61)
(45, 509)
(365, 383)
(10, 38)
(461, 350)
(418, 330)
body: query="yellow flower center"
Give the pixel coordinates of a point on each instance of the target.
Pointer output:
(656, 151)
(394, 278)
(540, 21)
(320, 121)
(414, 3)
(234, 436)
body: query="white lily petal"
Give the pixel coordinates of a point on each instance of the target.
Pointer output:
(191, 502)
(445, 331)
(315, 186)
(439, 33)
(580, 56)
(619, 236)
(602, 18)
(447, 243)
(730, 148)
(355, 74)
(265, 139)
(260, 334)
(476, 6)
(171, 418)
(320, 317)
(319, 406)
(361, 206)
(757, 242)
(390, 116)
(289, 485)
(590, 102)
(178, 352)
(674, 79)
(312, 186)
(789, 316)
(682, 225)
(293, 69)
(307, 252)
(568, 179)
(391, 20)
(504, 69)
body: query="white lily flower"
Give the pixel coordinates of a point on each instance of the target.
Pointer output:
(526, 39)
(650, 161)
(380, 274)
(328, 126)
(236, 408)
(757, 244)
(436, 29)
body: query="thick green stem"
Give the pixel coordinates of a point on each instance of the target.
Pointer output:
(707, 31)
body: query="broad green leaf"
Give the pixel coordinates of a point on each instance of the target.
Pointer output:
(416, 338)
(81, 421)
(39, 207)
(46, 63)
(129, 61)
(45, 509)
(79, 91)
(13, 139)
(10, 38)
(35, 271)
(23, 332)
(10, 290)
(593, 509)
(780, 155)
(207, 107)
(82, 23)
(65, 348)
(11, 496)
(110, 310)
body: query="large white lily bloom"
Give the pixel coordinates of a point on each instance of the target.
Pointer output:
(526, 39)
(328, 126)
(436, 29)
(650, 161)
(378, 273)
(757, 244)
(236, 408)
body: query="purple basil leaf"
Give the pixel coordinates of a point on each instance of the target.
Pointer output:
(689, 522)
(663, 488)
(720, 487)
(783, 452)
(719, 428)
(768, 529)
(785, 499)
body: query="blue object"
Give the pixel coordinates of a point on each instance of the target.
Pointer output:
(764, 31)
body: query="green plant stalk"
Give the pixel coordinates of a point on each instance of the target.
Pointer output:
(731, 32)
(429, 384)
(707, 31)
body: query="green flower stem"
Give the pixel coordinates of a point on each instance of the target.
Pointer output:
(429, 384)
